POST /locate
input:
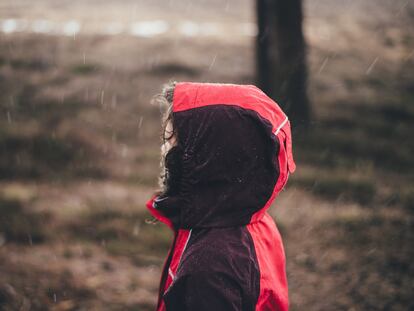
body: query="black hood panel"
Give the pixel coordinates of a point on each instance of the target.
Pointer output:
(225, 166)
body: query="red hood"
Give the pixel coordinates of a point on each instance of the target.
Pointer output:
(236, 155)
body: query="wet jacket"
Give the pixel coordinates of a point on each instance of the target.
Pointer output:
(235, 155)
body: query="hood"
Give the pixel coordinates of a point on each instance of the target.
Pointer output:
(234, 155)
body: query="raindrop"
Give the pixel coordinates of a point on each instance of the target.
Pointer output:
(409, 56)
(212, 62)
(136, 230)
(102, 98)
(124, 151)
(400, 10)
(141, 119)
(323, 65)
(372, 66)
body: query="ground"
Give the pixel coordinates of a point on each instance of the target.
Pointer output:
(79, 151)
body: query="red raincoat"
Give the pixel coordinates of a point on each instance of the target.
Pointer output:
(234, 153)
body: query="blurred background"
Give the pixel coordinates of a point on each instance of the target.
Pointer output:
(79, 142)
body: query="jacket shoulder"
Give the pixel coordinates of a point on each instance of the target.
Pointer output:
(205, 291)
(219, 259)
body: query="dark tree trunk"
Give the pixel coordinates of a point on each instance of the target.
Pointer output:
(281, 57)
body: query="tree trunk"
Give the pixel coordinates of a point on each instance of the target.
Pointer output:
(281, 57)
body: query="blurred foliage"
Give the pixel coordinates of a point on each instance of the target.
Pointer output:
(85, 69)
(339, 188)
(21, 226)
(124, 233)
(384, 244)
(42, 156)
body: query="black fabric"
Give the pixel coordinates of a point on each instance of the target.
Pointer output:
(218, 271)
(204, 292)
(173, 166)
(227, 162)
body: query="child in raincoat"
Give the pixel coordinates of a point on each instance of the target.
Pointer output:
(227, 154)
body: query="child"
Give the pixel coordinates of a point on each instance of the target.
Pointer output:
(228, 153)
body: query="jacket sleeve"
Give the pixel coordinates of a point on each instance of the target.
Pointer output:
(204, 292)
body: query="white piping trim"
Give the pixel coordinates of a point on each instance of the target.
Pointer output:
(156, 200)
(171, 274)
(181, 256)
(185, 246)
(281, 125)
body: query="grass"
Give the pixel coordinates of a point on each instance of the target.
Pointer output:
(124, 234)
(404, 197)
(347, 141)
(52, 290)
(174, 69)
(20, 226)
(358, 152)
(26, 104)
(380, 246)
(148, 156)
(34, 64)
(339, 188)
(408, 200)
(85, 69)
(40, 156)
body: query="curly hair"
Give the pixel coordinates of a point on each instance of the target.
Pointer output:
(168, 133)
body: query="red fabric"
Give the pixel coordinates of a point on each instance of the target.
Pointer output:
(282, 180)
(180, 244)
(271, 256)
(157, 214)
(189, 95)
(181, 239)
